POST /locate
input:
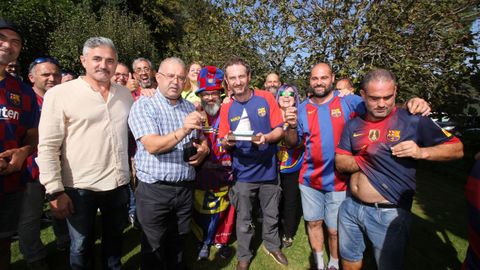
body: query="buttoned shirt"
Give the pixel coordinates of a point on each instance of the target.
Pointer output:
(155, 115)
(83, 138)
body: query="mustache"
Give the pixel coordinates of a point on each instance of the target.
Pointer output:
(102, 70)
(320, 85)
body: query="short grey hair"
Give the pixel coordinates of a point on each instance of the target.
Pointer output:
(95, 42)
(172, 60)
(141, 59)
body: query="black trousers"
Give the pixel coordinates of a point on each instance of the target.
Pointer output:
(164, 211)
(290, 204)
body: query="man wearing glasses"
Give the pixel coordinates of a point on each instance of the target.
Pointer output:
(142, 77)
(82, 155)
(18, 125)
(121, 74)
(166, 130)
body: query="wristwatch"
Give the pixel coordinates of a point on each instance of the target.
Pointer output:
(53, 196)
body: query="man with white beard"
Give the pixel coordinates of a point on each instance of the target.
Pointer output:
(213, 216)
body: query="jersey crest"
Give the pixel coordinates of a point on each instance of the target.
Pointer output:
(393, 135)
(374, 134)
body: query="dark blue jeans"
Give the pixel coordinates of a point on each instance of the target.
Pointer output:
(81, 226)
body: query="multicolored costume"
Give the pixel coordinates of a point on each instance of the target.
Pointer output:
(213, 216)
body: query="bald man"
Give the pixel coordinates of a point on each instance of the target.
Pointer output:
(272, 83)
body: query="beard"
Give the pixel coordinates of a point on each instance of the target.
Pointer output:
(325, 92)
(147, 84)
(212, 109)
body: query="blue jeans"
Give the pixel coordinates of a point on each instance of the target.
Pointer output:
(321, 205)
(81, 226)
(386, 228)
(131, 201)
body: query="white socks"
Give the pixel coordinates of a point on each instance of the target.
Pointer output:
(333, 262)
(318, 258)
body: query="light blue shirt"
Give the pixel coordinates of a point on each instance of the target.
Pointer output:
(155, 115)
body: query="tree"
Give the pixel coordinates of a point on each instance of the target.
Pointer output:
(37, 19)
(209, 37)
(130, 34)
(425, 43)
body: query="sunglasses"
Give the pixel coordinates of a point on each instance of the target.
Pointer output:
(287, 94)
(42, 60)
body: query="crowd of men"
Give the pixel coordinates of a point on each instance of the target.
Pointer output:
(356, 160)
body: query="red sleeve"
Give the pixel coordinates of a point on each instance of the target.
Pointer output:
(276, 118)
(342, 151)
(224, 126)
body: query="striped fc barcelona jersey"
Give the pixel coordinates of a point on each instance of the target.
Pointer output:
(320, 127)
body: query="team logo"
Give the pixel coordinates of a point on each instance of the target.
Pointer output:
(236, 118)
(15, 99)
(262, 112)
(211, 80)
(374, 134)
(393, 135)
(336, 113)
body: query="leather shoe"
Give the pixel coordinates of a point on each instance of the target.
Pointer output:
(243, 265)
(278, 256)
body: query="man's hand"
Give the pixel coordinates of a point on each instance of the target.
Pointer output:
(62, 206)
(291, 117)
(226, 143)
(260, 140)
(193, 121)
(202, 153)
(16, 157)
(132, 83)
(148, 92)
(418, 106)
(408, 149)
(344, 92)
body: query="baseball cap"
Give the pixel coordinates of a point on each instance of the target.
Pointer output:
(6, 24)
(210, 78)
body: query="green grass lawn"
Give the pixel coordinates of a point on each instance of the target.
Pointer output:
(437, 239)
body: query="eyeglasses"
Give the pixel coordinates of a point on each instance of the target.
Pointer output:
(144, 70)
(287, 94)
(172, 77)
(121, 74)
(42, 60)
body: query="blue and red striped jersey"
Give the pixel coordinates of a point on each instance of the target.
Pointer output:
(320, 127)
(371, 142)
(32, 167)
(472, 193)
(290, 158)
(252, 163)
(18, 113)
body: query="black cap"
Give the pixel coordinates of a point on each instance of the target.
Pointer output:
(5, 24)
